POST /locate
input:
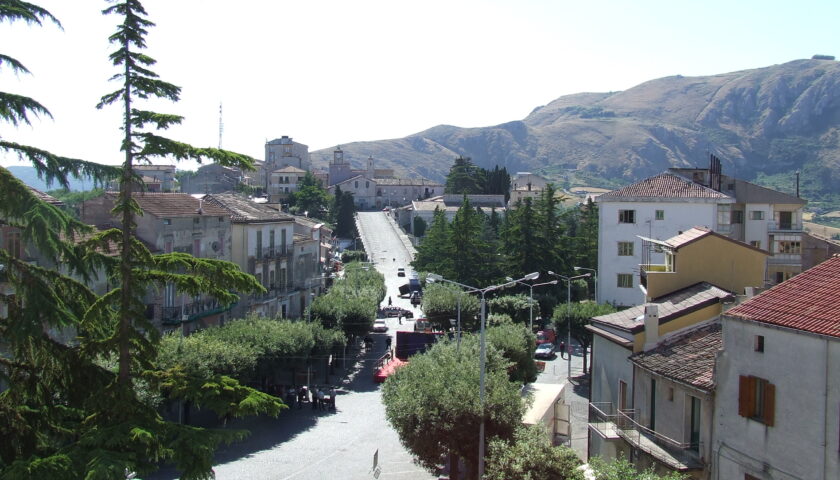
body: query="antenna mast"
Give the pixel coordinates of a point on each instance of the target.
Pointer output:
(221, 125)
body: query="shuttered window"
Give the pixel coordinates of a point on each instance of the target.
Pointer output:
(757, 399)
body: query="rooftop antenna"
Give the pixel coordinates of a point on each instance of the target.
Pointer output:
(221, 125)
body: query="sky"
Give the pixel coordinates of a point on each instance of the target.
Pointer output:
(332, 72)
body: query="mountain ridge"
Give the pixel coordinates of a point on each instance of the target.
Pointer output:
(760, 122)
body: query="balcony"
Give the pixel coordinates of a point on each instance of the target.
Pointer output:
(269, 253)
(602, 418)
(644, 269)
(676, 455)
(784, 227)
(192, 311)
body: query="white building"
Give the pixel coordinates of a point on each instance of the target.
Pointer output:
(667, 204)
(449, 204)
(526, 185)
(777, 412)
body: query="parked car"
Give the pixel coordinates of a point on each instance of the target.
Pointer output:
(395, 311)
(546, 336)
(379, 325)
(544, 350)
(400, 272)
(416, 297)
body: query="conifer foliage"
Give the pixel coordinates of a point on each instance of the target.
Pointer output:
(65, 413)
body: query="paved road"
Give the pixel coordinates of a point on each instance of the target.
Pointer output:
(312, 444)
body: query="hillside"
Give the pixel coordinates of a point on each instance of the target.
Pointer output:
(764, 124)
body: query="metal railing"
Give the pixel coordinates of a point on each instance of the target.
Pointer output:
(784, 226)
(679, 454)
(602, 417)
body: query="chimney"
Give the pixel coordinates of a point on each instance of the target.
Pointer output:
(797, 184)
(651, 325)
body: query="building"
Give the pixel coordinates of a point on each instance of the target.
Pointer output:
(681, 293)
(374, 188)
(526, 185)
(283, 182)
(664, 205)
(160, 177)
(777, 412)
(174, 222)
(283, 152)
(213, 178)
(449, 204)
(262, 244)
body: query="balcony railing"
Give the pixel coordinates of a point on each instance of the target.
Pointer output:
(677, 455)
(278, 251)
(602, 418)
(192, 311)
(776, 227)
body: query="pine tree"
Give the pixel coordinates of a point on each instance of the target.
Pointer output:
(433, 253)
(519, 241)
(468, 250)
(549, 232)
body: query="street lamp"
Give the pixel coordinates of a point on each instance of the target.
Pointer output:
(531, 303)
(483, 349)
(568, 281)
(432, 278)
(595, 278)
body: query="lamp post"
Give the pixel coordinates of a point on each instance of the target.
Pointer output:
(594, 277)
(531, 303)
(568, 281)
(483, 349)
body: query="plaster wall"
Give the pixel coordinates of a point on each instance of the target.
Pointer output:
(672, 326)
(610, 364)
(678, 216)
(805, 369)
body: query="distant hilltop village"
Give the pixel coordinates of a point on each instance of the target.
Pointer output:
(286, 164)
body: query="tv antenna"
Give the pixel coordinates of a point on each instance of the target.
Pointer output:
(221, 125)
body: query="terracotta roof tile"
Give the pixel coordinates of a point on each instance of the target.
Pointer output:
(664, 185)
(688, 357)
(175, 205)
(808, 301)
(242, 210)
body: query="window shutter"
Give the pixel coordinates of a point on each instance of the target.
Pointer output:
(744, 394)
(769, 404)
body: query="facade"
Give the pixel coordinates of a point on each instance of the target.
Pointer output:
(262, 245)
(283, 152)
(777, 412)
(682, 293)
(283, 182)
(174, 222)
(667, 204)
(161, 175)
(212, 178)
(374, 188)
(526, 185)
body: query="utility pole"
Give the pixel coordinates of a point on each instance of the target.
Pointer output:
(221, 125)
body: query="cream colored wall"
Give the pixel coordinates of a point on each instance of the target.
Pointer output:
(711, 259)
(695, 317)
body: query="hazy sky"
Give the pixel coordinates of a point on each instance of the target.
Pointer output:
(332, 72)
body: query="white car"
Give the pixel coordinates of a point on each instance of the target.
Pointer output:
(379, 325)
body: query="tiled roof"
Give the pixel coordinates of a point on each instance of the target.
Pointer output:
(243, 210)
(688, 357)
(808, 301)
(175, 205)
(664, 185)
(408, 182)
(696, 233)
(46, 198)
(289, 169)
(671, 306)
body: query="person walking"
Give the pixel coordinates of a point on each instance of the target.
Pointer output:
(562, 349)
(332, 398)
(321, 402)
(389, 301)
(314, 391)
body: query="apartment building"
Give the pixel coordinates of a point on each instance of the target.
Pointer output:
(777, 412)
(174, 222)
(672, 202)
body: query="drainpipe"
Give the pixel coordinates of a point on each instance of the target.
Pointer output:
(825, 408)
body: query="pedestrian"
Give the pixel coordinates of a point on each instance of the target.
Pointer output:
(401, 315)
(388, 343)
(303, 395)
(332, 398)
(314, 391)
(389, 301)
(562, 349)
(321, 402)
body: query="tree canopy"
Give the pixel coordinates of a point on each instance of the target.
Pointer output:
(529, 455)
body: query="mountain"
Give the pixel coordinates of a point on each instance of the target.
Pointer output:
(764, 123)
(29, 176)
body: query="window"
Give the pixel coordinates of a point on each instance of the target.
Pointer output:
(625, 280)
(756, 399)
(759, 343)
(196, 220)
(625, 249)
(357, 184)
(789, 246)
(196, 247)
(670, 394)
(367, 184)
(756, 215)
(259, 244)
(737, 216)
(755, 243)
(167, 221)
(660, 214)
(724, 214)
(622, 395)
(626, 216)
(221, 219)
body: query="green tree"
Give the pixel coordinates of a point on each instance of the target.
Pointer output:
(311, 197)
(498, 182)
(419, 227)
(440, 304)
(335, 205)
(433, 254)
(469, 253)
(519, 240)
(580, 313)
(352, 301)
(530, 456)
(549, 231)
(465, 178)
(345, 225)
(517, 307)
(433, 402)
(621, 469)
(517, 345)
